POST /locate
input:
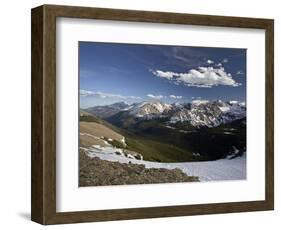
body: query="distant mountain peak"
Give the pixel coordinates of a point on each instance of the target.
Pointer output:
(120, 105)
(149, 108)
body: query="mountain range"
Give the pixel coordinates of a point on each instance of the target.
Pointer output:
(198, 113)
(196, 131)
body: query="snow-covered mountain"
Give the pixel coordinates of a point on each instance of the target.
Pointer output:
(107, 110)
(210, 114)
(148, 109)
(198, 113)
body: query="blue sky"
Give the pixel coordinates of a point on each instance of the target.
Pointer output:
(113, 72)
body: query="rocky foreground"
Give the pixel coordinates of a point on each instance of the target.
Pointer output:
(97, 172)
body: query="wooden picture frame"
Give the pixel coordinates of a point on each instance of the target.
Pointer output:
(43, 207)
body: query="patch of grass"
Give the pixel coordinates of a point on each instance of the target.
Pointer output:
(90, 119)
(158, 151)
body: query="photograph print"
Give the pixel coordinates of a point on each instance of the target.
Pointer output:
(161, 114)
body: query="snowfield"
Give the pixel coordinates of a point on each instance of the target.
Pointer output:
(224, 169)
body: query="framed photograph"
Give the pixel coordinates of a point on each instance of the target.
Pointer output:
(149, 114)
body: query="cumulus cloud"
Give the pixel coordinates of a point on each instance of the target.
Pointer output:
(155, 96)
(210, 61)
(175, 97)
(87, 93)
(163, 74)
(225, 60)
(201, 77)
(219, 65)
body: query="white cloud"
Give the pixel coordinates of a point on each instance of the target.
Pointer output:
(86, 93)
(210, 61)
(225, 60)
(175, 97)
(219, 65)
(240, 72)
(164, 74)
(155, 96)
(201, 77)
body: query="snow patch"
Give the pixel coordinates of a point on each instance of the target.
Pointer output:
(219, 170)
(170, 127)
(123, 141)
(224, 109)
(227, 133)
(199, 102)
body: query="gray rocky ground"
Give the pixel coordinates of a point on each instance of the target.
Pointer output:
(97, 172)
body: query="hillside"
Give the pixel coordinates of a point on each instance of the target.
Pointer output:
(101, 136)
(96, 172)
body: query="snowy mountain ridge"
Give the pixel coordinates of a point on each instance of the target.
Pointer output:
(197, 113)
(149, 108)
